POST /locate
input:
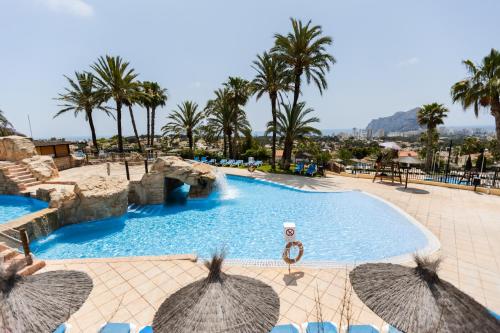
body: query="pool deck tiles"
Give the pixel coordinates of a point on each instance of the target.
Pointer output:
(467, 224)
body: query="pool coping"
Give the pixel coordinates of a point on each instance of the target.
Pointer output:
(432, 246)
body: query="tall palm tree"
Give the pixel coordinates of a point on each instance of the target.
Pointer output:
(158, 97)
(304, 51)
(219, 113)
(184, 120)
(136, 96)
(239, 91)
(117, 81)
(430, 116)
(83, 96)
(293, 125)
(481, 88)
(146, 103)
(273, 77)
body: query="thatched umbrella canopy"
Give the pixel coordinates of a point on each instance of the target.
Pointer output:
(219, 303)
(40, 303)
(416, 300)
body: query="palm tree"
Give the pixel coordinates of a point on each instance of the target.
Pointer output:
(135, 97)
(239, 90)
(220, 116)
(481, 88)
(83, 96)
(146, 103)
(304, 51)
(117, 82)
(157, 97)
(293, 125)
(5, 125)
(185, 119)
(431, 115)
(273, 77)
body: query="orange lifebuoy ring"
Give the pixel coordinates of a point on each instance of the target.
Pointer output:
(286, 252)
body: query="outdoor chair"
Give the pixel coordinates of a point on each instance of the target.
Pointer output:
(238, 163)
(311, 170)
(319, 327)
(222, 162)
(361, 329)
(213, 161)
(204, 159)
(286, 328)
(117, 328)
(229, 163)
(63, 328)
(196, 158)
(146, 329)
(299, 168)
(389, 329)
(257, 163)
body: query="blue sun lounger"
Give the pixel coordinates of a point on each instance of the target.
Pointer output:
(286, 328)
(196, 158)
(362, 329)
(63, 328)
(299, 168)
(319, 327)
(222, 162)
(311, 170)
(204, 159)
(146, 329)
(117, 328)
(257, 163)
(213, 161)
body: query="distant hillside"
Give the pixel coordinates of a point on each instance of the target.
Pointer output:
(398, 122)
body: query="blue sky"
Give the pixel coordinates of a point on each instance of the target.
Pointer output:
(391, 55)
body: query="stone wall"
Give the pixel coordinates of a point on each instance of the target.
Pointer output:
(42, 167)
(7, 186)
(16, 148)
(92, 198)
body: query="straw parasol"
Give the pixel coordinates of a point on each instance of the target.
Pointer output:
(40, 303)
(416, 300)
(219, 303)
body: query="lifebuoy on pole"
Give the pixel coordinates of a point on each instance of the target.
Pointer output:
(286, 252)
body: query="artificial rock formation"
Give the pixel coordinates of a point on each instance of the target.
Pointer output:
(16, 148)
(93, 198)
(41, 166)
(151, 188)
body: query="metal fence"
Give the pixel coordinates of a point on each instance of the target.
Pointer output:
(488, 178)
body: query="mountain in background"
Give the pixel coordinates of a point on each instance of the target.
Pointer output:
(401, 121)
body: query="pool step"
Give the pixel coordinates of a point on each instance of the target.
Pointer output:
(19, 174)
(9, 256)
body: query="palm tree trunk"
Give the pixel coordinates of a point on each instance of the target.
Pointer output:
(190, 140)
(225, 144)
(428, 155)
(287, 154)
(119, 124)
(134, 127)
(148, 138)
(92, 130)
(153, 115)
(230, 143)
(296, 89)
(273, 151)
(495, 111)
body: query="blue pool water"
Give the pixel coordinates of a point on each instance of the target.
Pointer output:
(246, 217)
(14, 206)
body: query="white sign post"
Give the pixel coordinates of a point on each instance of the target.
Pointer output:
(289, 232)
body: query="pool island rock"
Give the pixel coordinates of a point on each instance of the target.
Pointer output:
(92, 198)
(172, 172)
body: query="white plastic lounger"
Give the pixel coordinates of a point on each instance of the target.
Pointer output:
(117, 328)
(320, 327)
(286, 328)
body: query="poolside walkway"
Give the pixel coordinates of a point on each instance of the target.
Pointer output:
(466, 223)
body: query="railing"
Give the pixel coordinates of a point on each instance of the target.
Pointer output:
(488, 178)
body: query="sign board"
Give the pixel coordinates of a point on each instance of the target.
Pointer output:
(289, 231)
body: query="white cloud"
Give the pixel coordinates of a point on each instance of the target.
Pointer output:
(74, 7)
(408, 62)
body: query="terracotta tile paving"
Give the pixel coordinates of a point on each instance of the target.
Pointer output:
(466, 223)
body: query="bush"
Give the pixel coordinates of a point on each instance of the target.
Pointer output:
(260, 153)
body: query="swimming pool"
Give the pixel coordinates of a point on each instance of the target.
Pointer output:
(246, 217)
(14, 206)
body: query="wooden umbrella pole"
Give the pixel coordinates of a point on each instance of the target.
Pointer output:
(26, 246)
